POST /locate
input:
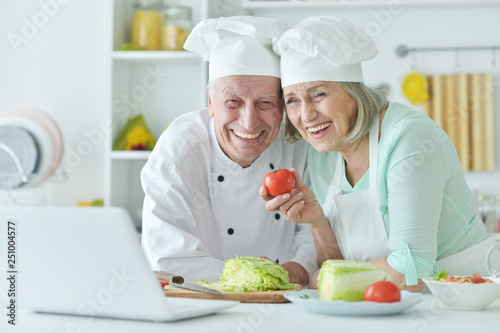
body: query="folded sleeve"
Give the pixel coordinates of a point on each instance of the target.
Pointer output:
(303, 249)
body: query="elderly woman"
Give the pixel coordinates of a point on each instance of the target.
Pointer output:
(388, 186)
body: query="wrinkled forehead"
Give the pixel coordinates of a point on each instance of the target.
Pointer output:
(249, 85)
(304, 87)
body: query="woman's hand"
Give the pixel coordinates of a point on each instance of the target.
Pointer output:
(397, 277)
(300, 205)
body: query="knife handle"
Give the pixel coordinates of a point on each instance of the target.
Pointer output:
(164, 276)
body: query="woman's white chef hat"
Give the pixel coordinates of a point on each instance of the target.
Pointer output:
(323, 49)
(237, 45)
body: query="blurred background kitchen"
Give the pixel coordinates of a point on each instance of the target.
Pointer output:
(86, 87)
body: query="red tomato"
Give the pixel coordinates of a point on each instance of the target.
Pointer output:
(477, 279)
(451, 278)
(163, 283)
(383, 292)
(279, 182)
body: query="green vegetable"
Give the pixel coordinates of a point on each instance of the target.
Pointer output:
(347, 279)
(441, 276)
(244, 274)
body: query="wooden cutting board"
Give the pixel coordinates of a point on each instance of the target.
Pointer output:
(248, 297)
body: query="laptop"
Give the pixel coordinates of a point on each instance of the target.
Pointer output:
(88, 261)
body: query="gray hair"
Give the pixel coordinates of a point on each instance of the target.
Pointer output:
(370, 103)
(211, 88)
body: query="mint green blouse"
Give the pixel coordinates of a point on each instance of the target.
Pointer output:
(428, 210)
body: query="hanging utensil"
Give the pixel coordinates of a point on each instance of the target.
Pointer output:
(415, 88)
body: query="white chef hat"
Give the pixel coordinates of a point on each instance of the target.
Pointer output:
(237, 45)
(323, 49)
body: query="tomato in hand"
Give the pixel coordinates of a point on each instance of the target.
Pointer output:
(279, 182)
(383, 292)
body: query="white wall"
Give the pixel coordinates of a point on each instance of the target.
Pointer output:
(64, 69)
(54, 56)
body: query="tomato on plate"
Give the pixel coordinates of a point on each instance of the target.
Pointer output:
(279, 182)
(383, 292)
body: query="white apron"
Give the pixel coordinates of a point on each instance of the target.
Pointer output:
(471, 260)
(358, 226)
(355, 217)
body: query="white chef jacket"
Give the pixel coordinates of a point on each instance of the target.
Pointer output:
(201, 208)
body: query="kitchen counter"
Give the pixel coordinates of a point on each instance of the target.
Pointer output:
(428, 316)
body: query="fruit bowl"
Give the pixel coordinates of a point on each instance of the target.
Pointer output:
(465, 296)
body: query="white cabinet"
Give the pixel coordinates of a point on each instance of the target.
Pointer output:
(160, 85)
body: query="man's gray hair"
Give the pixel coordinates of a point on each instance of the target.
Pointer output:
(211, 88)
(370, 103)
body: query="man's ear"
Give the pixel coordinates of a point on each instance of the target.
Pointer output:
(210, 106)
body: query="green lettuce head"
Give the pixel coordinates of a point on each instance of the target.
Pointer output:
(251, 274)
(347, 279)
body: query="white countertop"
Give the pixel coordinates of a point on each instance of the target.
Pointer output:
(428, 316)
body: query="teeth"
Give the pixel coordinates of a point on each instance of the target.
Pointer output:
(246, 136)
(319, 127)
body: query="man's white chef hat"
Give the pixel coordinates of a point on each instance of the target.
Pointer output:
(323, 49)
(237, 45)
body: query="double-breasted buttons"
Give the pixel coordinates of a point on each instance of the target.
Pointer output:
(230, 231)
(220, 179)
(277, 216)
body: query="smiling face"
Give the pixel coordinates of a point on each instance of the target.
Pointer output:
(323, 113)
(247, 115)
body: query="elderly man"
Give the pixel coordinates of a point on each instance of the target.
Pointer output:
(202, 205)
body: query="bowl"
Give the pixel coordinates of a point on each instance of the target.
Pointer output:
(465, 296)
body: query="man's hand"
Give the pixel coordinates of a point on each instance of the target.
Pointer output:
(296, 273)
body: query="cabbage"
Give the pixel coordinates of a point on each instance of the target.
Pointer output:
(347, 279)
(244, 274)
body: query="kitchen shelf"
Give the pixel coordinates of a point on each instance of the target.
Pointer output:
(159, 85)
(297, 4)
(154, 56)
(129, 155)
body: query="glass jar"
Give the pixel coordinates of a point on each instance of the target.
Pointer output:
(147, 25)
(177, 25)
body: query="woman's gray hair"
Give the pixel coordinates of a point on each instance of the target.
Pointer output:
(370, 103)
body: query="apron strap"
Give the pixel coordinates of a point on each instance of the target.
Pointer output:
(373, 146)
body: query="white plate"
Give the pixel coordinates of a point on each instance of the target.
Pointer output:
(308, 298)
